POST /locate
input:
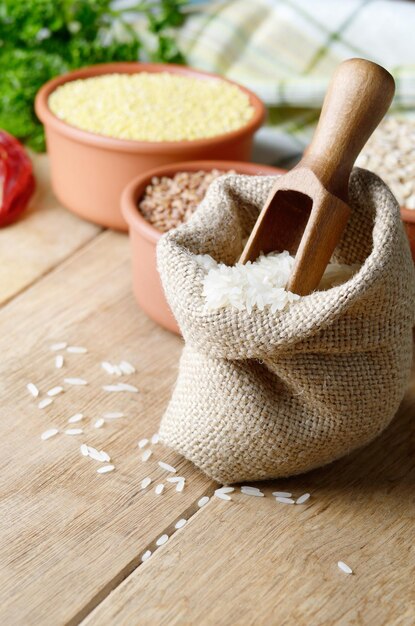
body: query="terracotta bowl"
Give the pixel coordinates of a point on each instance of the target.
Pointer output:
(408, 218)
(144, 237)
(89, 171)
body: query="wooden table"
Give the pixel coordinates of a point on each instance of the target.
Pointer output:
(72, 539)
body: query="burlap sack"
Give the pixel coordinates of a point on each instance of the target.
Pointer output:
(264, 395)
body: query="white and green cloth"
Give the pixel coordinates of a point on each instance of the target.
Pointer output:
(287, 50)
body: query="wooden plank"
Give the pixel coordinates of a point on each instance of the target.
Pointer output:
(256, 562)
(44, 235)
(69, 535)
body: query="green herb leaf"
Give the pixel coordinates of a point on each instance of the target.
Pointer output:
(43, 38)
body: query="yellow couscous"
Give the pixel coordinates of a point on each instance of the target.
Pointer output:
(152, 106)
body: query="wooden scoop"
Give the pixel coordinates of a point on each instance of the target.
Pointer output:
(306, 211)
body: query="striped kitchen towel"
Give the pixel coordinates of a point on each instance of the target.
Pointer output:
(287, 50)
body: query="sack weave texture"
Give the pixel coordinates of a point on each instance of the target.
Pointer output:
(262, 395)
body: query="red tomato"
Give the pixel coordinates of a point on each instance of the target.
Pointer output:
(16, 179)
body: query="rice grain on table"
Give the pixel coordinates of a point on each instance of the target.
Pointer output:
(146, 556)
(155, 438)
(32, 389)
(74, 431)
(95, 454)
(180, 486)
(76, 349)
(303, 499)
(113, 416)
(120, 387)
(283, 500)
(126, 367)
(58, 346)
(162, 540)
(159, 489)
(59, 361)
(145, 482)
(167, 467)
(225, 489)
(107, 367)
(105, 469)
(344, 567)
(203, 501)
(282, 494)
(221, 495)
(105, 456)
(175, 479)
(49, 433)
(146, 455)
(55, 391)
(75, 381)
(99, 423)
(84, 450)
(251, 491)
(45, 402)
(142, 443)
(76, 418)
(180, 523)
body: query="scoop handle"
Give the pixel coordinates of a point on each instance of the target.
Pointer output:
(358, 97)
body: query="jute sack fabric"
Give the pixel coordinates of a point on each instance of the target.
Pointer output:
(264, 395)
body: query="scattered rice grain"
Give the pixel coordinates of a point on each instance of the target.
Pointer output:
(146, 556)
(146, 455)
(58, 346)
(145, 482)
(225, 489)
(74, 431)
(180, 486)
(105, 456)
(59, 361)
(167, 467)
(159, 489)
(76, 349)
(75, 418)
(32, 389)
(283, 500)
(55, 391)
(182, 522)
(45, 402)
(203, 501)
(107, 367)
(251, 491)
(75, 381)
(99, 423)
(113, 416)
(344, 567)
(162, 540)
(282, 494)
(142, 443)
(49, 433)
(221, 495)
(84, 449)
(126, 367)
(155, 438)
(302, 499)
(127, 387)
(95, 454)
(105, 469)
